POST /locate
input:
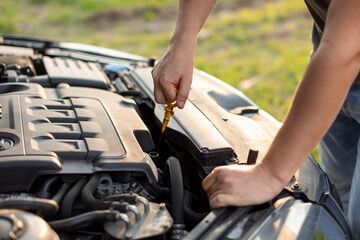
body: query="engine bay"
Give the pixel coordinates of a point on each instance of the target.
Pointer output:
(82, 156)
(77, 152)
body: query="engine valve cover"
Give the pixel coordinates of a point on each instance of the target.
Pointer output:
(69, 130)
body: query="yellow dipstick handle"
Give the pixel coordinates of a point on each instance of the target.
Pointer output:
(169, 111)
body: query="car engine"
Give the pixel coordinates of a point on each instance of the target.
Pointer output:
(82, 156)
(76, 155)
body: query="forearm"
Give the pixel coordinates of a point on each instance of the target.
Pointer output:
(175, 68)
(317, 101)
(191, 17)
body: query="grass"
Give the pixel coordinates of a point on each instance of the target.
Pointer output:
(271, 42)
(261, 48)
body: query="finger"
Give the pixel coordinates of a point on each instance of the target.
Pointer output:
(168, 89)
(159, 96)
(209, 181)
(184, 89)
(158, 93)
(217, 187)
(221, 200)
(219, 176)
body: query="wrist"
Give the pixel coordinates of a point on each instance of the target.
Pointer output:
(278, 178)
(184, 40)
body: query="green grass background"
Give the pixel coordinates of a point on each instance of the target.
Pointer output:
(260, 47)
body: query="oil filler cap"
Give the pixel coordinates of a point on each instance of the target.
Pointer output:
(6, 143)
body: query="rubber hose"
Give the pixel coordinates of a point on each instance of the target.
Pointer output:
(61, 193)
(46, 207)
(88, 197)
(177, 190)
(70, 197)
(44, 190)
(191, 216)
(97, 204)
(83, 220)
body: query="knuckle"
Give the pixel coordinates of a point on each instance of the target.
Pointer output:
(225, 179)
(155, 79)
(164, 78)
(220, 171)
(219, 201)
(162, 82)
(158, 99)
(203, 185)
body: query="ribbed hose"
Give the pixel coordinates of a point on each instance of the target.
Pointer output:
(70, 197)
(177, 190)
(46, 207)
(83, 220)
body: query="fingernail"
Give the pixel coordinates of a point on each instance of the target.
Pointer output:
(180, 104)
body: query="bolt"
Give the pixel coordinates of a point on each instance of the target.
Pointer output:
(225, 119)
(296, 187)
(204, 150)
(162, 206)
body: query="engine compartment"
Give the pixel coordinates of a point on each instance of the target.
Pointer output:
(77, 153)
(81, 155)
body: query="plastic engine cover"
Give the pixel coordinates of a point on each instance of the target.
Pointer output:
(68, 130)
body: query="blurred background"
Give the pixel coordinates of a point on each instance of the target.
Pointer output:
(258, 46)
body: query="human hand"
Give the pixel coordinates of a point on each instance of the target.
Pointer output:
(175, 68)
(240, 185)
